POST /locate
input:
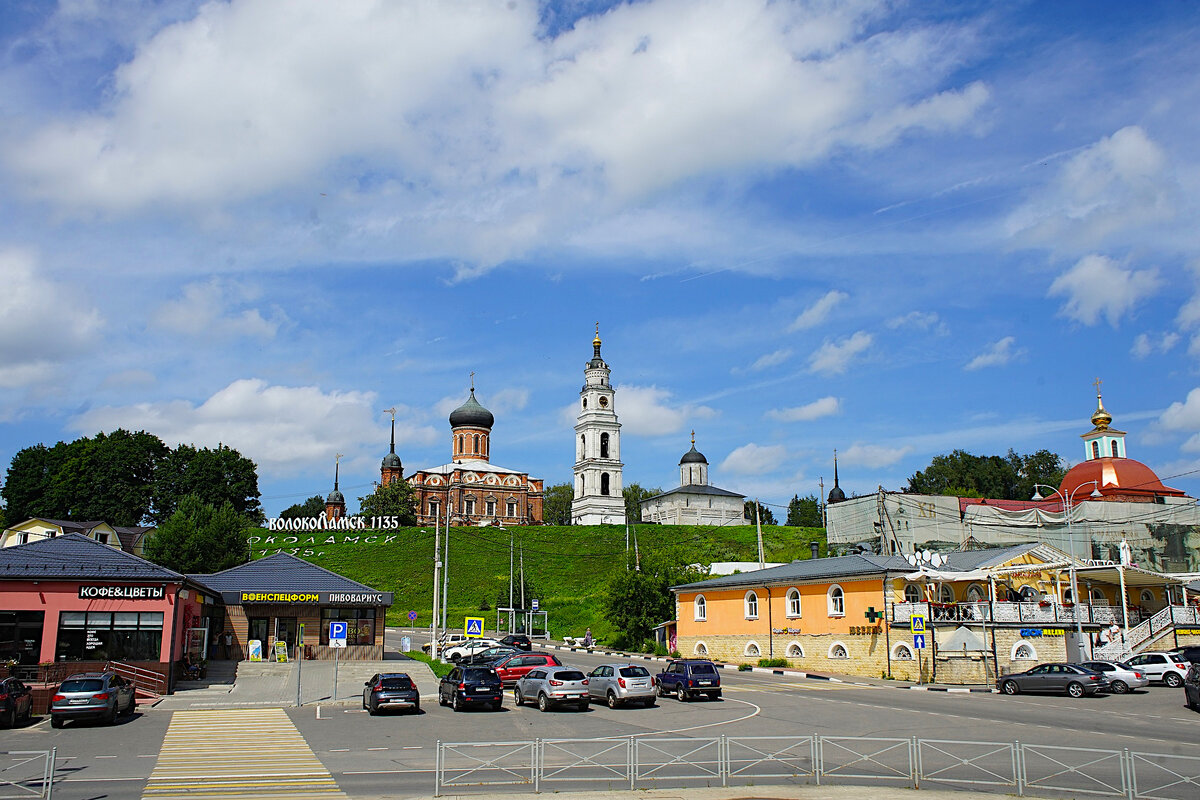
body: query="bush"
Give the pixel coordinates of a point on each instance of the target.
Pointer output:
(772, 662)
(674, 654)
(744, 667)
(439, 669)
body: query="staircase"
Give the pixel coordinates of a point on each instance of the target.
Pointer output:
(1137, 637)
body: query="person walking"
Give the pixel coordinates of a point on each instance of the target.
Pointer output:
(227, 643)
(587, 639)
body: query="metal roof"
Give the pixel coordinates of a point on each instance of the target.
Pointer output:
(279, 572)
(696, 488)
(74, 556)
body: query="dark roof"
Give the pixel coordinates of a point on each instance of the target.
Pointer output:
(73, 556)
(336, 497)
(858, 565)
(130, 535)
(696, 488)
(69, 526)
(693, 456)
(279, 572)
(472, 415)
(391, 461)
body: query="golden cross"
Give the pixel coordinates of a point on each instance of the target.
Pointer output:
(391, 411)
(693, 437)
(1097, 385)
(472, 381)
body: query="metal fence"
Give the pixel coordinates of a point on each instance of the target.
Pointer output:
(645, 762)
(27, 774)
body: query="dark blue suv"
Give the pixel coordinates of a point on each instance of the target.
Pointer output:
(471, 686)
(690, 678)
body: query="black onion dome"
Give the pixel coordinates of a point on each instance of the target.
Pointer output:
(472, 415)
(391, 461)
(335, 497)
(693, 456)
(836, 495)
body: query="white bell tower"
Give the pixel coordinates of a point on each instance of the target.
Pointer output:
(598, 499)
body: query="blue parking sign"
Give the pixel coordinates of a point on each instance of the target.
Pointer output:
(337, 633)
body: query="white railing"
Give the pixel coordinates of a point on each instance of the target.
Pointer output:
(146, 680)
(1138, 635)
(1019, 613)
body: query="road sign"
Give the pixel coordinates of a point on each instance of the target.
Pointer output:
(918, 623)
(919, 641)
(535, 604)
(412, 616)
(473, 627)
(337, 633)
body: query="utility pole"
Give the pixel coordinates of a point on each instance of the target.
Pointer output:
(510, 581)
(446, 570)
(636, 553)
(437, 565)
(821, 501)
(627, 545)
(762, 562)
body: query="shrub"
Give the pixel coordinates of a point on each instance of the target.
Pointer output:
(744, 667)
(772, 662)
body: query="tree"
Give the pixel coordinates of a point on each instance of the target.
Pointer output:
(1011, 477)
(634, 494)
(198, 538)
(556, 504)
(638, 600)
(804, 512)
(310, 508)
(394, 500)
(768, 518)
(27, 483)
(215, 476)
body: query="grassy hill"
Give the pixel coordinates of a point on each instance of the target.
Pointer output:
(566, 568)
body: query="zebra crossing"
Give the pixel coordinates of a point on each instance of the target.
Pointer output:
(236, 753)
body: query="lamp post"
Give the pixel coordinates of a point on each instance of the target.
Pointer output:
(1067, 502)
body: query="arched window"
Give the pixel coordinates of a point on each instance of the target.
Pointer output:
(475, 448)
(1114, 448)
(976, 594)
(838, 650)
(793, 603)
(912, 593)
(751, 604)
(753, 650)
(700, 608)
(836, 599)
(902, 652)
(579, 490)
(461, 443)
(1023, 651)
(794, 650)
(1097, 598)
(604, 483)
(701, 649)
(585, 404)
(946, 593)
(1029, 594)
(1147, 596)
(1068, 597)
(604, 445)
(582, 446)
(1095, 449)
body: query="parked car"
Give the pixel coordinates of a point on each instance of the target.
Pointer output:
(518, 640)
(550, 687)
(1122, 678)
(689, 678)
(1164, 667)
(617, 684)
(16, 702)
(92, 695)
(1191, 653)
(391, 690)
(447, 640)
(1072, 679)
(469, 648)
(489, 655)
(471, 686)
(512, 668)
(1191, 687)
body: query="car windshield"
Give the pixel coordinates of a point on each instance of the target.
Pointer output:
(634, 672)
(82, 685)
(400, 682)
(569, 675)
(479, 674)
(703, 669)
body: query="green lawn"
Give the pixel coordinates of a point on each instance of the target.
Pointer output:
(566, 568)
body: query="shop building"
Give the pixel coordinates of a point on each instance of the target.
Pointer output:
(284, 601)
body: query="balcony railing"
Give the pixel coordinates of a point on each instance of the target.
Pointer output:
(1015, 613)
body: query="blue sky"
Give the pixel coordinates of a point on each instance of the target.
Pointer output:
(891, 229)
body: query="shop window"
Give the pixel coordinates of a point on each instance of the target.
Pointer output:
(753, 650)
(700, 608)
(259, 629)
(838, 650)
(106, 636)
(902, 652)
(751, 605)
(21, 635)
(836, 601)
(360, 625)
(793, 603)
(912, 593)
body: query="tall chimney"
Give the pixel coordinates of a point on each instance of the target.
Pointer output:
(815, 548)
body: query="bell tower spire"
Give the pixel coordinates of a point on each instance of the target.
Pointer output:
(598, 499)
(391, 470)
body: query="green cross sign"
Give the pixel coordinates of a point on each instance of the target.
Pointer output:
(872, 615)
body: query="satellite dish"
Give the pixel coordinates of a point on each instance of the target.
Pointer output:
(925, 555)
(937, 559)
(911, 559)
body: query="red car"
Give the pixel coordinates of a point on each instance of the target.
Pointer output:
(512, 668)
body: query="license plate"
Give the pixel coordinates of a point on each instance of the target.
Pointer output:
(484, 690)
(78, 701)
(704, 683)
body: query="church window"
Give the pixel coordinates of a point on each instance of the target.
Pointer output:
(469, 506)
(604, 483)
(511, 509)
(476, 443)
(1114, 448)
(583, 445)
(433, 508)
(491, 508)
(585, 404)
(604, 445)
(1095, 449)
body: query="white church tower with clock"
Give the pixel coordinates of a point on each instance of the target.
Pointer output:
(598, 499)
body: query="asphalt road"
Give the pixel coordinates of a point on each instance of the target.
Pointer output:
(394, 754)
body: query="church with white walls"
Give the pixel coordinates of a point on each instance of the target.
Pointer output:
(598, 498)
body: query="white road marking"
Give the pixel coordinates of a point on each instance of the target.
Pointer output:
(753, 713)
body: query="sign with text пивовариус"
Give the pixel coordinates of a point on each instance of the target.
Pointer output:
(473, 627)
(337, 633)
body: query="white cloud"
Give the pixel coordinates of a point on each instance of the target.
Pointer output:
(1120, 182)
(512, 399)
(833, 358)
(1146, 344)
(211, 309)
(772, 359)
(1098, 285)
(648, 411)
(918, 319)
(285, 430)
(826, 406)
(42, 323)
(1185, 417)
(997, 355)
(818, 312)
(753, 459)
(873, 455)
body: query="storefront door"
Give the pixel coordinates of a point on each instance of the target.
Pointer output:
(285, 631)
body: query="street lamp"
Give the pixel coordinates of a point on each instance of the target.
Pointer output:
(1067, 501)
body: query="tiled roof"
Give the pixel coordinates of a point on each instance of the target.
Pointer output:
(279, 572)
(74, 556)
(130, 535)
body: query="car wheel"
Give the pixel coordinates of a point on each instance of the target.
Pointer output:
(364, 702)
(658, 690)
(543, 703)
(680, 694)
(455, 658)
(371, 710)
(56, 722)
(1010, 687)
(518, 698)
(456, 703)
(1173, 680)
(111, 719)
(10, 718)
(1075, 689)
(613, 702)
(1119, 687)
(129, 709)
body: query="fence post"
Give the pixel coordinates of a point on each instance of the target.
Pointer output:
(631, 760)
(723, 759)
(536, 760)
(816, 750)
(914, 762)
(1019, 756)
(1130, 781)
(49, 784)
(437, 770)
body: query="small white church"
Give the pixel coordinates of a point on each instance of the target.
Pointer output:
(695, 502)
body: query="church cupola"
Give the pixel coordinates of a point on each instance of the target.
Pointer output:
(693, 467)
(391, 470)
(836, 495)
(597, 499)
(471, 427)
(1102, 441)
(335, 503)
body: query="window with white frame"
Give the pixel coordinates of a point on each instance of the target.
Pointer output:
(902, 652)
(700, 608)
(751, 603)
(1147, 596)
(946, 593)
(912, 593)
(794, 650)
(701, 649)
(753, 650)
(838, 650)
(1023, 651)
(491, 508)
(511, 508)
(793, 603)
(837, 601)
(1098, 598)
(976, 594)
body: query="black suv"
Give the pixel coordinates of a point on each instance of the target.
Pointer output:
(391, 690)
(518, 640)
(471, 686)
(16, 702)
(1190, 653)
(690, 678)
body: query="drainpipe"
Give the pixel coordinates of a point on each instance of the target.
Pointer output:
(887, 625)
(770, 627)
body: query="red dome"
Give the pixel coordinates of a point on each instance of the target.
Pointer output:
(1114, 476)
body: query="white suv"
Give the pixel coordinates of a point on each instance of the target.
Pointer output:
(1165, 667)
(468, 648)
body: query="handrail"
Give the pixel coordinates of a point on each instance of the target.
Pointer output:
(145, 679)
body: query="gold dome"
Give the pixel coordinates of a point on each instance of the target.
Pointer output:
(1101, 418)
(596, 341)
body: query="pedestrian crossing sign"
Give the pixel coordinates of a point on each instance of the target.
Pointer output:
(473, 628)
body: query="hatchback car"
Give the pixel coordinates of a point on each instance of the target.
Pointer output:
(515, 667)
(391, 690)
(1190, 653)
(1122, 678)
(16, 702)
(471, 686)
(487, 656)
(1159, 666)
(618, 684)
(92, 695)
(550, 687)
(518, 640)
(1072, 679)
(1191, 687)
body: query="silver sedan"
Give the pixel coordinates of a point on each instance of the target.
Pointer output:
(1122, 678)
(617, 684)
